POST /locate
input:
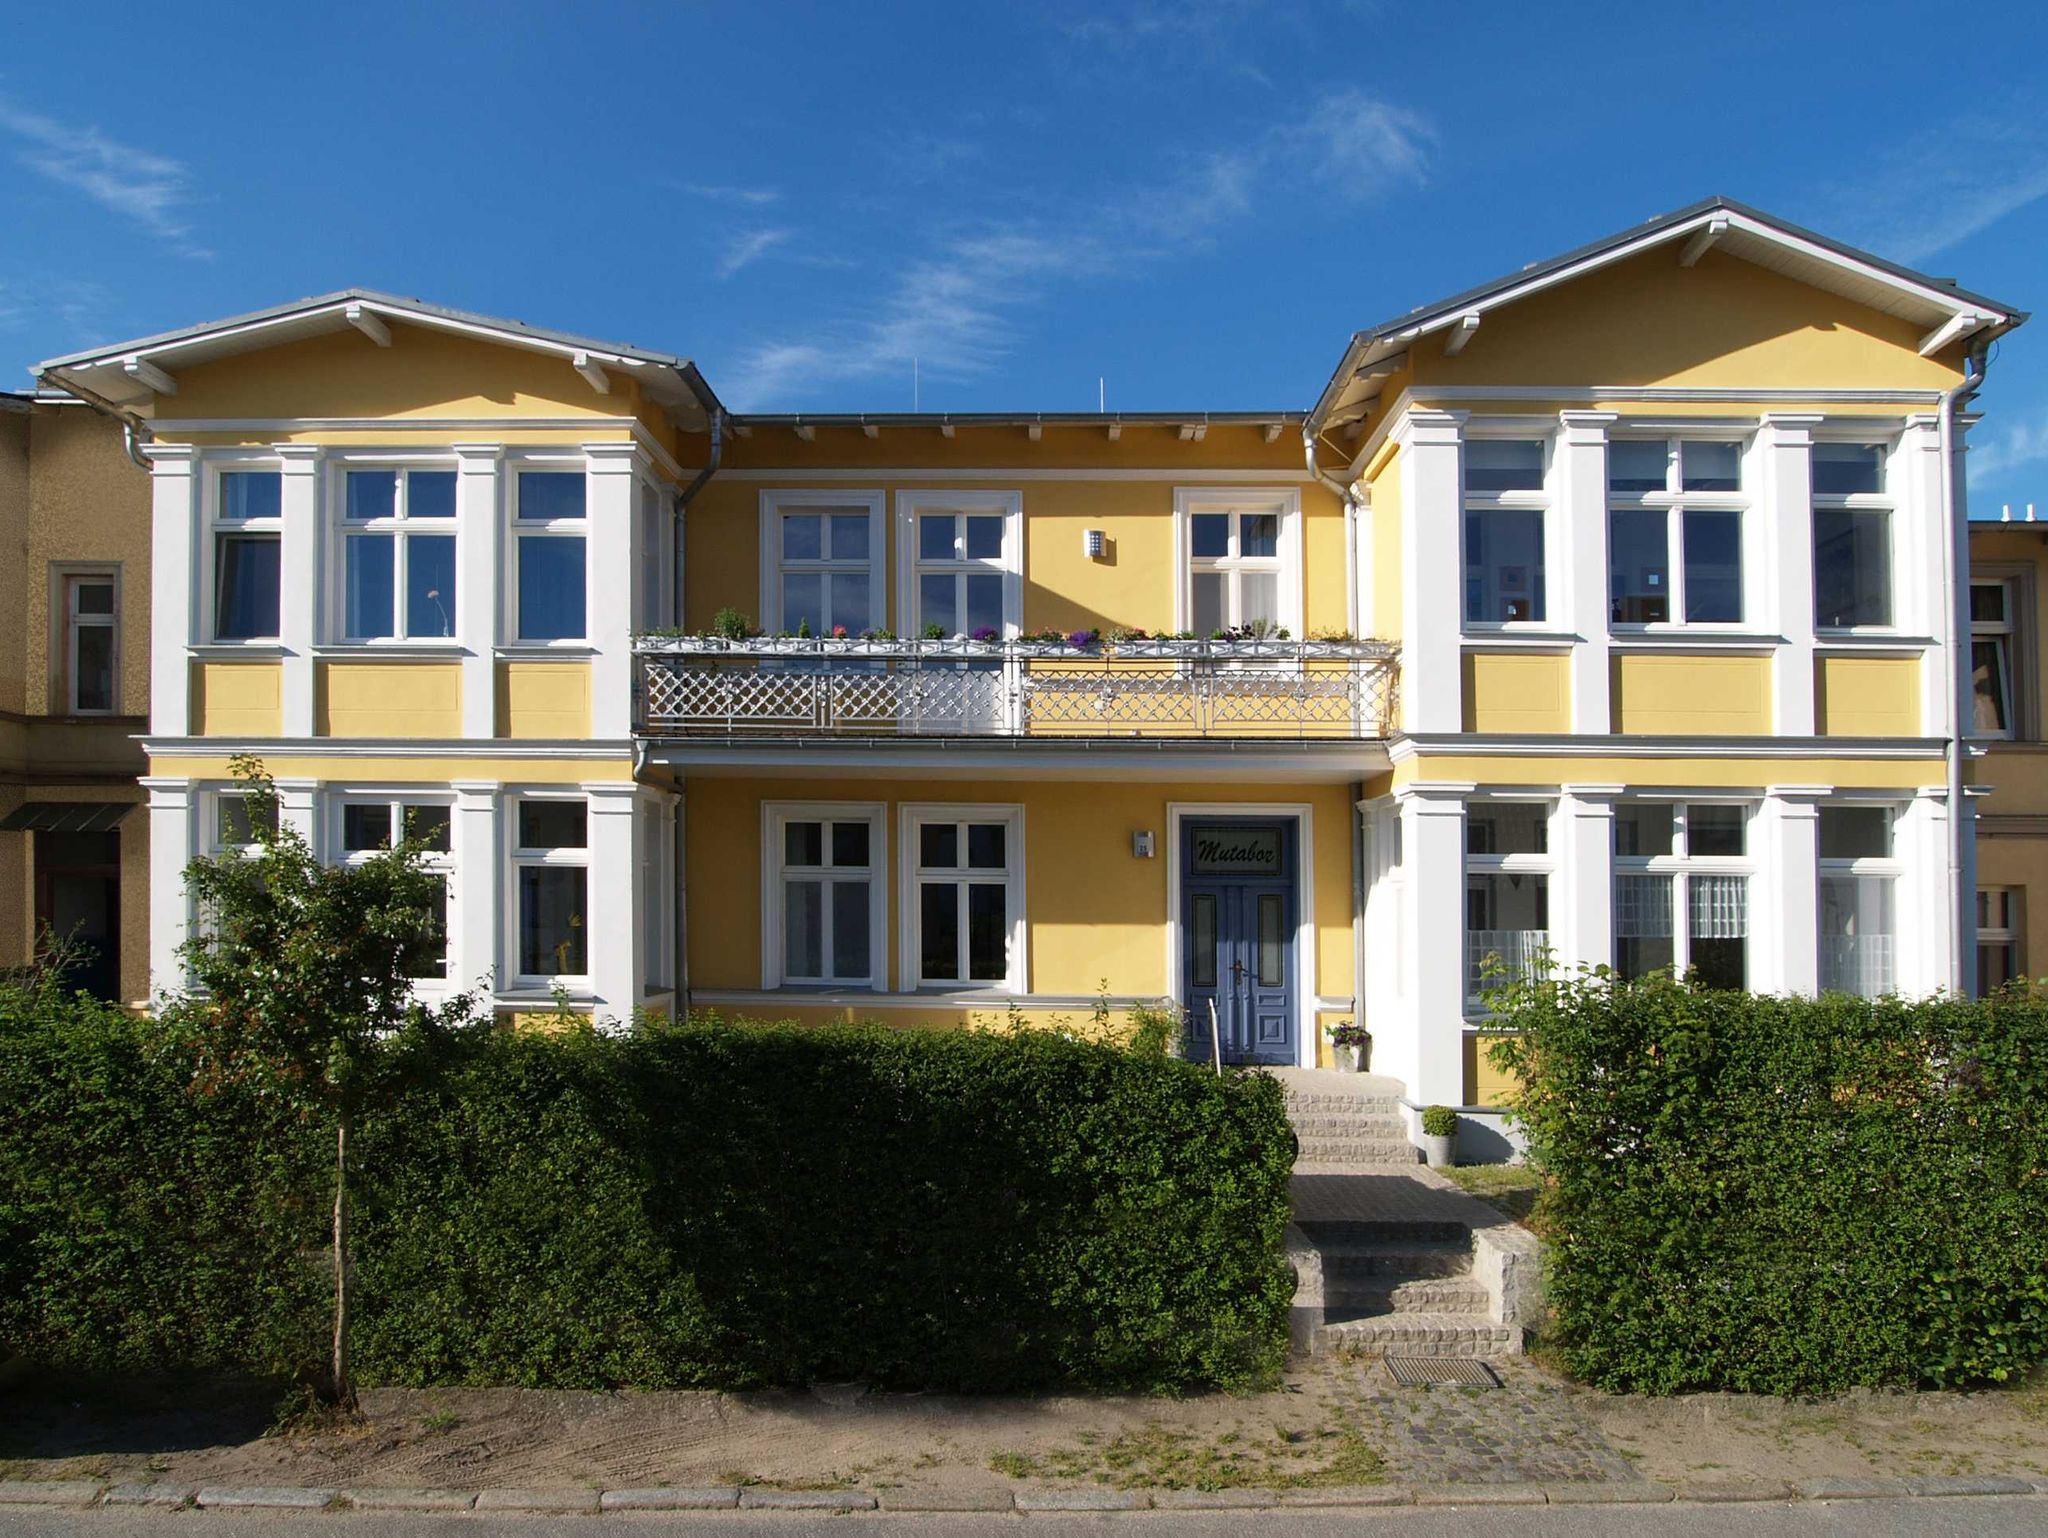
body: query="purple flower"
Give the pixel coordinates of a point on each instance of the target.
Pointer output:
(985, 633)
(1081, 640)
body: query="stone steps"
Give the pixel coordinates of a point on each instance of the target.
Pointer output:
(1389, 1264)
(1354, 1151)
(1419, 1295)
(1364, 1105)
(1420, 1334)
(1384, 1129)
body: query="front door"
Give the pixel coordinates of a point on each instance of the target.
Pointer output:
(78, 907)
(1238, 919)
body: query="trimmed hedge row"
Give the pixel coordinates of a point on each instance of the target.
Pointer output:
(1787, 1195)
(707, 1205)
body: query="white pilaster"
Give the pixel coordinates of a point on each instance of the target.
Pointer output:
(475, 885)
(1578, 538)
(614, 478)
(1784, 464)
(614, 878)
(299, 602)
(480, 531)
(1432, 569)
(1920, 841)
(170, 851)
(1582, 919)
(1432, 1060)
(1784, 907)
(175, 600)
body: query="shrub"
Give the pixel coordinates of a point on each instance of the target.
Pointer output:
(731, 625)
(1439, 1121)
(1783, 1195)
(699, 1205)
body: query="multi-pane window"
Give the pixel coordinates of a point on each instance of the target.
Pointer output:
(248, 526)
(1674, 531)
(1504, 548)
(1507, 892)
(1858, 939)
(966, 920)
(826, 899)
(91, 644)
(1999, 955)
(1681, 890)
(1852, 536)
(1233, 569)
(960, 565)
(232, 822)
(1992, 623)
(822, 562)
(397, 533)
(371, 824)
(549, 529)
(551, 870)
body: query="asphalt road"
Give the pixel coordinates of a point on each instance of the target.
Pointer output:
(1978, 1516)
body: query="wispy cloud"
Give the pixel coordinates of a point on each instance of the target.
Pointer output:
(79, 308)
(738, 197)
(955, 308)
(744, 249)
(1949, 184)
(2022, 441)
(150, 189)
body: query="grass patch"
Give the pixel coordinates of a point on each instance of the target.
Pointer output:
(1159, 1457)
(1507, 1188)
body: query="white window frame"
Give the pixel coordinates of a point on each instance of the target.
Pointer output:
(518, 530)
(1543, 865)
(65, 578)
(400, 527)
(1680, 866)
(210, 802)
(775, 501)
(911, 817)
(775, 818)
(654, 830)
(1008, 505)
(1543, 503)
(654, 562)
(2012, 934)
(440, 862)
(1286, 562)
(1674, 501)
(1887, 868)
(2017, 631)
(215, 527)
(520, 857)
(1885, 502)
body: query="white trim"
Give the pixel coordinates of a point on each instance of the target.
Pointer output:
(1286, 505)
(511, 426)
(1308, 998)
(910, 505)
(910, 816)
(1014, 474)
(777, 500)
(387, 747)
(775, 818)
(1674, 749)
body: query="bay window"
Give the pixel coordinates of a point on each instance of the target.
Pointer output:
(1852, 536)
(248, 528)
(1504, 511)
(964, 919)
(1674, 531)
(1681, 891)
(551, 875)
(397, 538)
(549, 530)
(1857, 881)
(1507, 893)
(368, 824)
(826, 910)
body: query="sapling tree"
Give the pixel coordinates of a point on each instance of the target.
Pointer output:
(303, 984)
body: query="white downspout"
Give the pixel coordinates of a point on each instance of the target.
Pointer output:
(1962, 967)
(1351, 511)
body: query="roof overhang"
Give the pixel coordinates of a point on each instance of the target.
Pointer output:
(133, 376)
(1945, 313)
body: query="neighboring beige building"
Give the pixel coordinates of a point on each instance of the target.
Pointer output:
(74, 691)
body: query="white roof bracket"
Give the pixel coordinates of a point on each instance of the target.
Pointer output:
(1702, 242)
(143, 372)
(593, 375)
(366, 322)
(1957, 326)
(1461, 333)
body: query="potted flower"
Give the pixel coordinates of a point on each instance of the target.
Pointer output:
(1351, 1046)
(1440, 1136)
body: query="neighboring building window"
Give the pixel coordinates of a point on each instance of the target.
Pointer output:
(826, 905)
(1507, 893)
(549, 529)
(965, 914)
(371, 824)
(1852, 536)
(397, 534)
(1681, 891)
(551, 871)
(1674, 531)
(90, 662)
(1858, 940)
(2000, 958)
(824, 561)
(1504, 546)
(1992, 618)
(248, 528)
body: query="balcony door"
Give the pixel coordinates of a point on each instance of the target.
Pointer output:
(1239, 920)
(963, 558)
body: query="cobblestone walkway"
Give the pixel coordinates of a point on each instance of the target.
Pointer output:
(1488, 1436)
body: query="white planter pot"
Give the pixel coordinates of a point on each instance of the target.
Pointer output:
(1441, 1153)
(1346, 1059)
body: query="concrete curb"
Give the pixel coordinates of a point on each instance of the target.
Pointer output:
(1026, 1499)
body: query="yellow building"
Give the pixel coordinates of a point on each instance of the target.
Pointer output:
(1598, 612)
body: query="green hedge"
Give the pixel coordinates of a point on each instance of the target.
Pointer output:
(707, 1205)
(1787, 1195)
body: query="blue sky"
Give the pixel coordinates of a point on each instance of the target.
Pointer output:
(1196, 201)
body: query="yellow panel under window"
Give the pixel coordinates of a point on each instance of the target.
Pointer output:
(1679, 694)
(238, 699)
(1866, 696)
(1517, 692)
(389, 699)
(1484, 1083)
(544, 699)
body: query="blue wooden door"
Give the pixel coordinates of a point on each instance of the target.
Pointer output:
(1238, 919)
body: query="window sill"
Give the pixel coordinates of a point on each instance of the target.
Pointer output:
(1519, 635)
(449, 648)
(1873, 637)
(266, 648)
(531, 649)
(1654, 637)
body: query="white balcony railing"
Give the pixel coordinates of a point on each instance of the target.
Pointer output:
(1336, 690)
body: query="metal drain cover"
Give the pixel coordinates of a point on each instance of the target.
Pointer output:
(1428, 1371)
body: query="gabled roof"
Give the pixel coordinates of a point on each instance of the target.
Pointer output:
(1949, 313)
(130, 374)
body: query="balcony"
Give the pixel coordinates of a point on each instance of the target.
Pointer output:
(1273, 691)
